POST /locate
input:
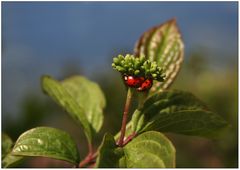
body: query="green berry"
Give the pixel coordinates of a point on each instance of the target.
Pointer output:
(138, 66)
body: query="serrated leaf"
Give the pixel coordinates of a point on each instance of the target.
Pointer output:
(61, 95)
(109, 155)
(47, 142)
(11, 160)
(150, 150)
(6, 144)
(178, 112)
(89, 96)
(164, 45)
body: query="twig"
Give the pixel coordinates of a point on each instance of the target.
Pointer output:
(129, 138)
(125, 114)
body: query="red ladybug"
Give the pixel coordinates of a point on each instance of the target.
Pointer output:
(147, 84)
(133, 81)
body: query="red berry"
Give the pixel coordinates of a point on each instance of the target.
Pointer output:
(133, 81)
(147, 84)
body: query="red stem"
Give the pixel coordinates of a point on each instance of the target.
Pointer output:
(89, 159)
(129, 138)
(124, 120)
(90, 149)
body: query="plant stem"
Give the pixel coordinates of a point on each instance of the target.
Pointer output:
(89, 157)
(129, 138)
(90, 148)
(124, 119)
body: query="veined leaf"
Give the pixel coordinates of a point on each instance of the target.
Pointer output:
(148, 150)
(89, 96)
(47, 142)
(164, 45)
(178, 112)
(62, 96)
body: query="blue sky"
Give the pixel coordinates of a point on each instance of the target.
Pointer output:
(41, 37)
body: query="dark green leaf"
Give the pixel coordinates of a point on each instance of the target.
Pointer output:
(89, 96)
(47, 142)
(164, 45)
(178, 112)
(6, 144)
(150, 150)
(62, 96)
(110, 156)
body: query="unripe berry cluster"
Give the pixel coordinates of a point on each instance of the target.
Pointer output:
(138, 72)
(138, 66)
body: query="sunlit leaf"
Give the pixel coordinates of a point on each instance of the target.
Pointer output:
(164, 45)
(61, 95)
(89, 96)
(178, 112)
(47, 142)
(150, 150)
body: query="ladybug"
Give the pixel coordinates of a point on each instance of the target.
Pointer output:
(133, 81)
(147, 84)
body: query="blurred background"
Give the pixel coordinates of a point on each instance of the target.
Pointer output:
(66, 38)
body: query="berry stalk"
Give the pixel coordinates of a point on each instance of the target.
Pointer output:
(125, 114)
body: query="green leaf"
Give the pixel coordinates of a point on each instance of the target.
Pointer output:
(150, 150)
(178, 112)
(6, 144)
(109, 155)
(89, 96)
(164, 45)
(11, 160)
(62, 96)
(8, 160)
(47, 142)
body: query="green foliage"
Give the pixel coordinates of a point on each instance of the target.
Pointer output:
(144, 145)
(6, 144)
(148, 150)
(81, 98)
(110, 155)
(164, 45)
(11, 160)
(178, 112)
(89, 96)
(8, 159)
(47, 142)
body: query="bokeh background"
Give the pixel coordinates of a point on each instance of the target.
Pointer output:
(66, 38)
